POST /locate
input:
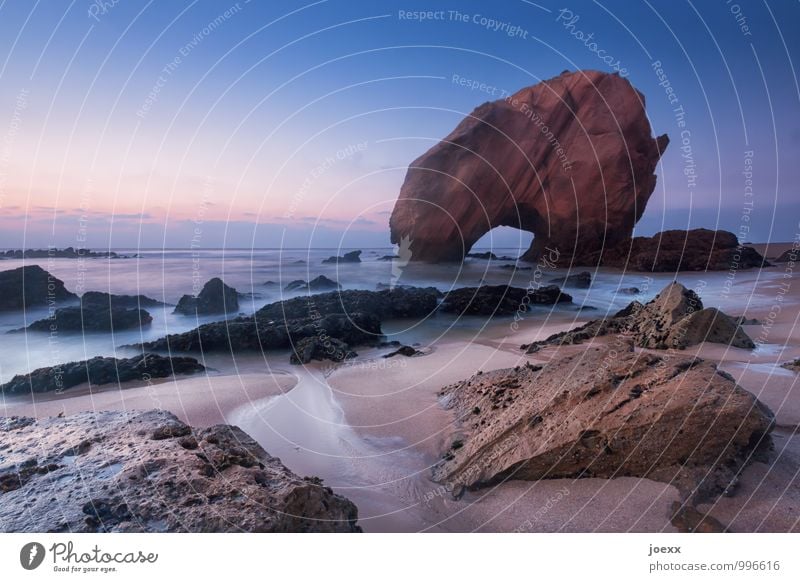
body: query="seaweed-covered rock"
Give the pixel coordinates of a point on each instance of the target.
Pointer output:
(500, 299)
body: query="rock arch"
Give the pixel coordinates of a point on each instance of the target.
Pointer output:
(571, 160)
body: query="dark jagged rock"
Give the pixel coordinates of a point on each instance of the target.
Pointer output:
(605, 414)
(91, 319)
(789, 256)
(318, 284)
(215, 297)
(516, 267)
(100, 370)
(582, 280)
(353, 317)
(629, 291)
(102, 300)
(571, 160)
(794, 365)
(351, 257)
(388, 258)
(675, 319)
(742, 320)
(32, 286)
(320, 348)
(500, 299)
(407, 351)
(678, 250)
(149, 472)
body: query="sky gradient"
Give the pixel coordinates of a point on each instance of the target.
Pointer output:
(144, 124)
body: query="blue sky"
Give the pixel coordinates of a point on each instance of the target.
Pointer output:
(267, 123)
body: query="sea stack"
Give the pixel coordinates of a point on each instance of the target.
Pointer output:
(571, 159)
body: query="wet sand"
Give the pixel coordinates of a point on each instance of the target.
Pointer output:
(197, 400)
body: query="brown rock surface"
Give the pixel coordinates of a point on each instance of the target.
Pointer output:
(148, 471)
(605, 414)
(699, 249)
(675, 319)
(570, 159)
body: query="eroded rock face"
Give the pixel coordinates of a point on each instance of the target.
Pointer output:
(149, 472)
(604, 413)
(100, 370)
(570, 159)
(215, 297)
(31, 286)
(675, 319)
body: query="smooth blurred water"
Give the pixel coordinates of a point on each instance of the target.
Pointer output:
(167, 275)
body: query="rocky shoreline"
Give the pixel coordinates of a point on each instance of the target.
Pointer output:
(150, 472)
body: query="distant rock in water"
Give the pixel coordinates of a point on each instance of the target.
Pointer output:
(489, 256)
(603, 413)
(500, 299)
(388, 258)
(136, 471)
(571, 159)
(102, 300)
(98, 371)
(351, 257)
(215, 297)
(32, 286)
(270, 284)
(352, 317)
(678, 250)
(91, 319)
(66, 253)
(321, 283)
(629, 291)
(516, 267)
(675, 319)
(582, 280)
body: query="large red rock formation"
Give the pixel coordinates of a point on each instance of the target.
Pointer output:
(570, 159)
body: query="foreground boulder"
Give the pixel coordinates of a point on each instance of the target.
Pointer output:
(675, 319)
(500, 299)
(678, 250)
(351, 257)
(98, 371)
(149, 472)
(571, 160)
(604, 413)
(352, 317)
(215, 297)
(31, 286)
(92, 319)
